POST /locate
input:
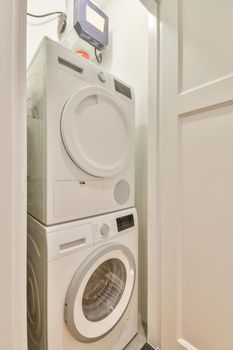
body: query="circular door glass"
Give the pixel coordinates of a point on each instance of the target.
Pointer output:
(104, 290)
(97, 132)
(100, 292)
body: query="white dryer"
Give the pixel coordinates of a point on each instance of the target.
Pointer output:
(80, 138)
(82, 283)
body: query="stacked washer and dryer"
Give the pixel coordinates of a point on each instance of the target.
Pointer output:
(82, 224)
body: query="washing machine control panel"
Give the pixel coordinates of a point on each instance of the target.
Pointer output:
(125, 222)
(103, 230)
(108, 228)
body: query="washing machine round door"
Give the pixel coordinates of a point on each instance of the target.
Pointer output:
(97, 132)
(99, 293)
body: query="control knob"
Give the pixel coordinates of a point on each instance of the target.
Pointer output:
(105, 229)
(102, 77)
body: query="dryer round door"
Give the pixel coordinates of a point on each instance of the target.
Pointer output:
(97, 132)
(99, 293)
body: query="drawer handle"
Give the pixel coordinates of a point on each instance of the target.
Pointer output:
(70, 65)
(72, 245)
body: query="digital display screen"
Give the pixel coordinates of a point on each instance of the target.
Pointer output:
(123, 89)
(125, 222)
(95, 19)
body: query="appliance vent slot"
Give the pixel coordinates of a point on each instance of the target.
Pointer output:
(70, 65)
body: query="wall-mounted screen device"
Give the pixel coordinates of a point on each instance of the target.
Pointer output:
(90, 23)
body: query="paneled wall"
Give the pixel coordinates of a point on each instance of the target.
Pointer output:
(196, 128)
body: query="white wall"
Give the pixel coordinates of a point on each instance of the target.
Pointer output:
(39, 27)
(127, 57)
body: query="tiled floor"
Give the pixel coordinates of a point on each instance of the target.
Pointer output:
(139, 340)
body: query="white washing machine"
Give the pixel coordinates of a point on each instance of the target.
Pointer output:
(80, 138)
(82, 283)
